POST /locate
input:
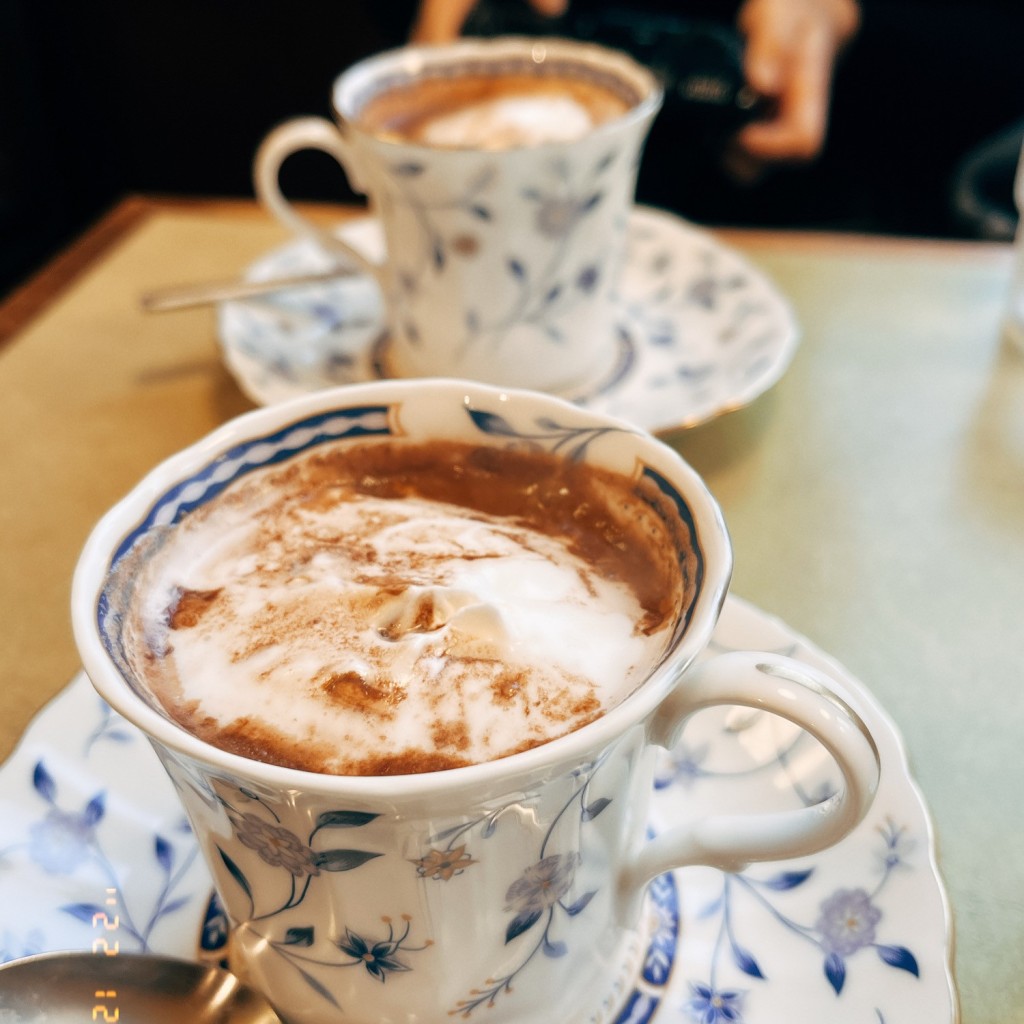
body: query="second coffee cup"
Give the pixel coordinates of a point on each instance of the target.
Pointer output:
(502, 173)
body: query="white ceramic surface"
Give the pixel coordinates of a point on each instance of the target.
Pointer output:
(337, 883)
(700, 331)
(92, 836)
(501, 256)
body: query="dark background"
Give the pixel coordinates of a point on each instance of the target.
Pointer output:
(107, 97)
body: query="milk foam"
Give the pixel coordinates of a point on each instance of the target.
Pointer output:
(508, 121)
(361, 625)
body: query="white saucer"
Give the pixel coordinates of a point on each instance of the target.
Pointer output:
(95, 854)
(701, 331)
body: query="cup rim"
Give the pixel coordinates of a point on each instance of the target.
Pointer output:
(412, 58)
(573, 748)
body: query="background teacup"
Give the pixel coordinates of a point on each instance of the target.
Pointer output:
(502, 891)
(501, 254)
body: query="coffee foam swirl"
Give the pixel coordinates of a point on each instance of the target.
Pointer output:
(500, 110)
(511, 121)
(304, 621)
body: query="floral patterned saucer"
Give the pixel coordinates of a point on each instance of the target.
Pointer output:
(95, 854)
(700, 331)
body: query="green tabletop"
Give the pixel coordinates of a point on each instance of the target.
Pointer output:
(876, 503)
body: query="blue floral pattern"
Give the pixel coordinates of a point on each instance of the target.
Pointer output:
(67, 836)
(536, 223)
(708, 1005)
(87, 816)
(545, 433)
(539, 896)
(256, 827)
(847, 922)
(544, 295)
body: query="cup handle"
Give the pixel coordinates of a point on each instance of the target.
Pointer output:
(282, 142)
(802, 695)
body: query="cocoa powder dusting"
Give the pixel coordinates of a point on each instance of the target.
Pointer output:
(448, 736)
(620, 528)
(507, 689)
(606, 518)
(190, 607)
(352, 691)
(425, 618)
(585, 708)
(404, 762)
(259, 741)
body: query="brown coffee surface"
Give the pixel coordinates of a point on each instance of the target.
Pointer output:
(407, 112)
(344, 611)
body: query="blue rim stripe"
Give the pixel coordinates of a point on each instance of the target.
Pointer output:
(170, 507)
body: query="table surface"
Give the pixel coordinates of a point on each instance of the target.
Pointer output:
(875, 495)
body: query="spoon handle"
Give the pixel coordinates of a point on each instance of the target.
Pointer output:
(188, 296)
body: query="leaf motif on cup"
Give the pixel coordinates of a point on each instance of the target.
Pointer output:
(343, 819)
(538, 897)
(492, 423)
(561, 198)
(342, 860)
(521, 923)
(588, 278)
(408, 170)
(279, 847)
(592, 810)
(315, 985)
(262, 832)
(299, 937)
(236, 873)
(572, 442)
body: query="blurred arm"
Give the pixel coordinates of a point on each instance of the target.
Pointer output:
(792, 47)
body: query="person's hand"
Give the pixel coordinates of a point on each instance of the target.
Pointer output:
(791, 50)
(439, 21)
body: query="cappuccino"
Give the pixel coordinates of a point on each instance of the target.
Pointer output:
(386, 608)
(498, 110)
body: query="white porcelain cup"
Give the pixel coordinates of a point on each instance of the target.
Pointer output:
(499, 892)
(500, 264)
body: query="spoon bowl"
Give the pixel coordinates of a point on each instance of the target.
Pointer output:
(67, 988)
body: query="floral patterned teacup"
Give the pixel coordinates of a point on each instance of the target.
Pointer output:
(500, 264)
(504, 891)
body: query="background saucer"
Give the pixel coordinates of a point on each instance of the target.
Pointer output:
(91, 833)
(701, 331)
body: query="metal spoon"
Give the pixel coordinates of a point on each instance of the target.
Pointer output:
(67, 988)
(186, 296)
